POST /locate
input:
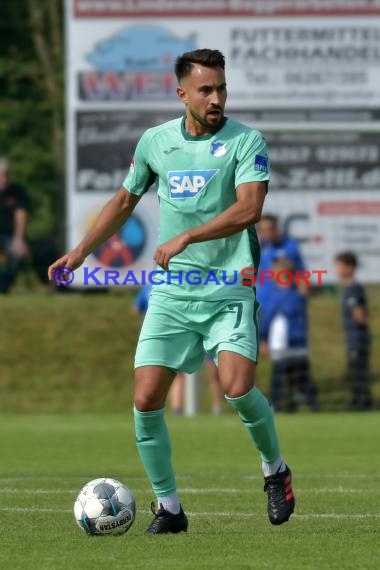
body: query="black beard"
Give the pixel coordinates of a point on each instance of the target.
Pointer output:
(205, 123)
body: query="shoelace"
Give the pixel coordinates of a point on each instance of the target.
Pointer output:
(157, 514)
(161, 511)
(275, 486)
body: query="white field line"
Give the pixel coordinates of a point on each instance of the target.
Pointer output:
(85, 478)
(197, 491)
(315, 476)
(300, 476)
(342, 490)
(334, 516)
(304, 516)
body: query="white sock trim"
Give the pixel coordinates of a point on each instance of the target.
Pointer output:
(272, 468)
(170, 503)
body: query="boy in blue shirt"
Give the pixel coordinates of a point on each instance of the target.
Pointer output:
(275, 245)
(285, 337)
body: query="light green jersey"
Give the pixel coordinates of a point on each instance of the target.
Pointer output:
(196, 178)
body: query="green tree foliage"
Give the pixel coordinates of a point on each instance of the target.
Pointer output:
(31, 105)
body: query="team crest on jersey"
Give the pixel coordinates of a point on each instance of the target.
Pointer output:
(218, 149)
(189, 183)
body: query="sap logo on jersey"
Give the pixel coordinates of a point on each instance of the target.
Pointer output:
(189, 183)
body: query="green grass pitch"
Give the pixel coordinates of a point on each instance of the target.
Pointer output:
(45, 460)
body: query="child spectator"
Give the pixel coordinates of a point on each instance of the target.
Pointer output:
(285, 338)
(356, 330)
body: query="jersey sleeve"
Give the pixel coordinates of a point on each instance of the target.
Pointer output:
(140, 176)
(252, 160)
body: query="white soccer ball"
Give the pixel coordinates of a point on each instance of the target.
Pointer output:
(105, 506)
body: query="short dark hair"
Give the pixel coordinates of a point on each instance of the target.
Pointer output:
(207, 57)
(269, 218)
(347, 258)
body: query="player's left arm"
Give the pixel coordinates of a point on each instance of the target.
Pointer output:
(242, 214)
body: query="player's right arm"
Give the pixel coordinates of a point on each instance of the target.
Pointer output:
(116, 212)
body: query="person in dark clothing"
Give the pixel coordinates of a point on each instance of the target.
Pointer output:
(285, 340)
(357, 333)
(14, 206)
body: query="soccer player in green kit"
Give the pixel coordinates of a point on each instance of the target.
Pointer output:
(212, 175)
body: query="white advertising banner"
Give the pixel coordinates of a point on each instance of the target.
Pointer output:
(330, 222)
(290, 64)
(323, 61)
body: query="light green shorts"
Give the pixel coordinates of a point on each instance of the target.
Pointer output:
(176, 332)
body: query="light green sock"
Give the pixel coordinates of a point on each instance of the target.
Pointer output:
(154, 447)
(257, 416)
